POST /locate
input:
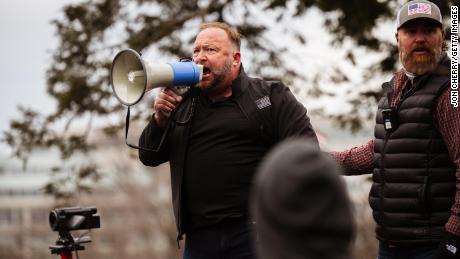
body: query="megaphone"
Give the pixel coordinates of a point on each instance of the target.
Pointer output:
(131, 76)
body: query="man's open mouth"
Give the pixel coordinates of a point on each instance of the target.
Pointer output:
(206, 71)
(421, 51)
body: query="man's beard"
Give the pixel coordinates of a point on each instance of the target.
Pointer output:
(420, 64)
(219, 76)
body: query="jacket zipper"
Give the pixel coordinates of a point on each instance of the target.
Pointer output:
(179, 207)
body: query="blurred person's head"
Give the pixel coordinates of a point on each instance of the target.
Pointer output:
(300, 205)
(217, 48)
(419, 36)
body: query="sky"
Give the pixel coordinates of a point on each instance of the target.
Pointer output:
(26, 45)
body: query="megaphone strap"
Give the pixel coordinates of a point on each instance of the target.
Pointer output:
(142, 148)
(191, 111)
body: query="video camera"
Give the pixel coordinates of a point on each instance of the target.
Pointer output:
(74, 218)
(64, 220)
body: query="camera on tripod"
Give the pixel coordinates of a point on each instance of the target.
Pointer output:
(64, 220)
(74, 218)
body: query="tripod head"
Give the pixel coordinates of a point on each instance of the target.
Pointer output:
(64, 220)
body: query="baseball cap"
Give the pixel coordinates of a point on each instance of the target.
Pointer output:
(418, 9)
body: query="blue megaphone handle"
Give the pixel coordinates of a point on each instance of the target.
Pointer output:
(185, 73)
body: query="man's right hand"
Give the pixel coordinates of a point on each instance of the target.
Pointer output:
(164, 104)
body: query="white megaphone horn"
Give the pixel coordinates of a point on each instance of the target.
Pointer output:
(131, 76)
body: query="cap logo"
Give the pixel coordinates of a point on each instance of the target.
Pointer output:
(419, 8)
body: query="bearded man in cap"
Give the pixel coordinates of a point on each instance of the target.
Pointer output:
(415, 156)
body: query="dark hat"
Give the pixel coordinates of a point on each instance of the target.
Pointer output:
(418, 9)
(300, 205)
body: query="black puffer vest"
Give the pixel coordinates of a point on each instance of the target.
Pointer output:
(414, 178)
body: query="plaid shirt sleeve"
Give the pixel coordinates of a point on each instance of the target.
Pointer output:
(356, 161)
(360, 160)
(447, 119)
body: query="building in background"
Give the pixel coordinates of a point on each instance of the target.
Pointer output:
(134, 202)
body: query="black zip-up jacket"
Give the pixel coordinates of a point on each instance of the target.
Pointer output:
(270, 106)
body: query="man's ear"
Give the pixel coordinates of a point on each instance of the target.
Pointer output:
(396, 36)
(236, 58)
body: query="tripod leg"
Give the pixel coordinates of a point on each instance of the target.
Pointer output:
(66, 255)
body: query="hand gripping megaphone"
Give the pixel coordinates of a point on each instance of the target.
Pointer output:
(131, 76)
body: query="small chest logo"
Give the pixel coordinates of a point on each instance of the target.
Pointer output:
(263, 102)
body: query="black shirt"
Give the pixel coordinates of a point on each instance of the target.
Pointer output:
(224, 150)
(284, 117)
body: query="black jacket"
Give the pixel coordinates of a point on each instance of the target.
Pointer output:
(271, 107)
